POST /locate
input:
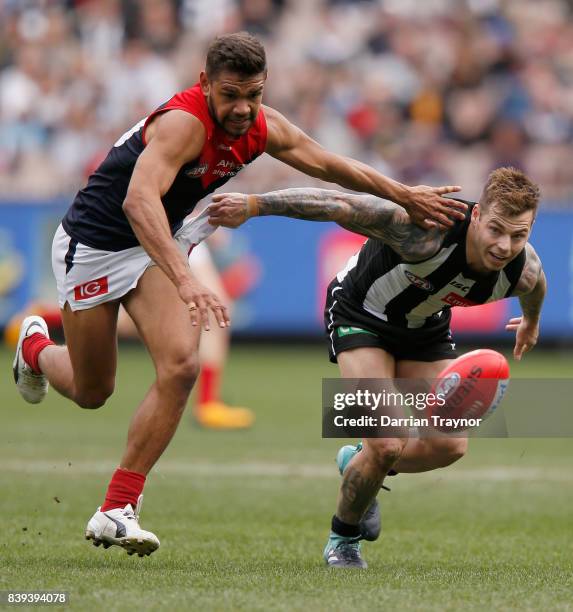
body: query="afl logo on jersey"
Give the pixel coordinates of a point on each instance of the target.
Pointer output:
(197, 171)
(419, 282)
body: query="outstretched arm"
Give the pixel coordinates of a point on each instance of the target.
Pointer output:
(425, 205)
(363, 214)
(177, 138)
(530, 289)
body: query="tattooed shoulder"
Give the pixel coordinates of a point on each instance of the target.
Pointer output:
(530, 273)
(391, 224)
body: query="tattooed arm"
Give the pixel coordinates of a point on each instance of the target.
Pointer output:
(362, 214)
(530, 289)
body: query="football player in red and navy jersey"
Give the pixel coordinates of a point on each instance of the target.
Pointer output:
(118, 244)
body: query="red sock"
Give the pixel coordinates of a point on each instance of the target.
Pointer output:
(32, 347)
(209, 384)
(124, 488)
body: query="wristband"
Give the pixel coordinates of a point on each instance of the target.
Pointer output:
(252, 206)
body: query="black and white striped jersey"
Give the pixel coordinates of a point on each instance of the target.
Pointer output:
(379, 282)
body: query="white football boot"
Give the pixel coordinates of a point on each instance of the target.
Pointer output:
(121, 527)
(33, 387)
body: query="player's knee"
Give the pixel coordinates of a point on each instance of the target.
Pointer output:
(180, 372)
(457, 450)
(450, 450)
(94, 398)
(384, 452)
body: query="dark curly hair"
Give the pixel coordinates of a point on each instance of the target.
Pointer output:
(240, 53)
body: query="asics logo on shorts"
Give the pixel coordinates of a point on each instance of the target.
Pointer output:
(98, 286)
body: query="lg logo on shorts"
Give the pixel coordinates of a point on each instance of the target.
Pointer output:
(90, 289)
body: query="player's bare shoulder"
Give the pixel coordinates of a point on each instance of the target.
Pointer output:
(178, 138)
(274, 119)
(532, 270)
(281, 133)
(179, 130)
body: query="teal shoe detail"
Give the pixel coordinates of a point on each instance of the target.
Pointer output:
(345, 454)
(343, 552)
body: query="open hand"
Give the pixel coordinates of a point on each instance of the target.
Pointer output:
(428, 208)
(526, 334)
(199, 301)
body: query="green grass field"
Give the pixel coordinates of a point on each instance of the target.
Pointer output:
(243, 516)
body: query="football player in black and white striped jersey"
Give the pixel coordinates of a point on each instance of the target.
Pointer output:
(387, 312)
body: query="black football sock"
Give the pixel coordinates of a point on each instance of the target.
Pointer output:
(344, 529)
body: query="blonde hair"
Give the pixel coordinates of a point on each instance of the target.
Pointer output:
(511, 191)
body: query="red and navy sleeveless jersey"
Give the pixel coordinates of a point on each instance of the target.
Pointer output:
(96, 216)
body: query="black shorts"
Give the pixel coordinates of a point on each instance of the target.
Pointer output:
(349, 326)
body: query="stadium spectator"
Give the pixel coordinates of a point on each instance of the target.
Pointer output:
(420, 90)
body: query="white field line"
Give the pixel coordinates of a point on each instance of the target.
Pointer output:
(279, 470)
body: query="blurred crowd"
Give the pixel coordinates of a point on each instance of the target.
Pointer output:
(427, 91)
